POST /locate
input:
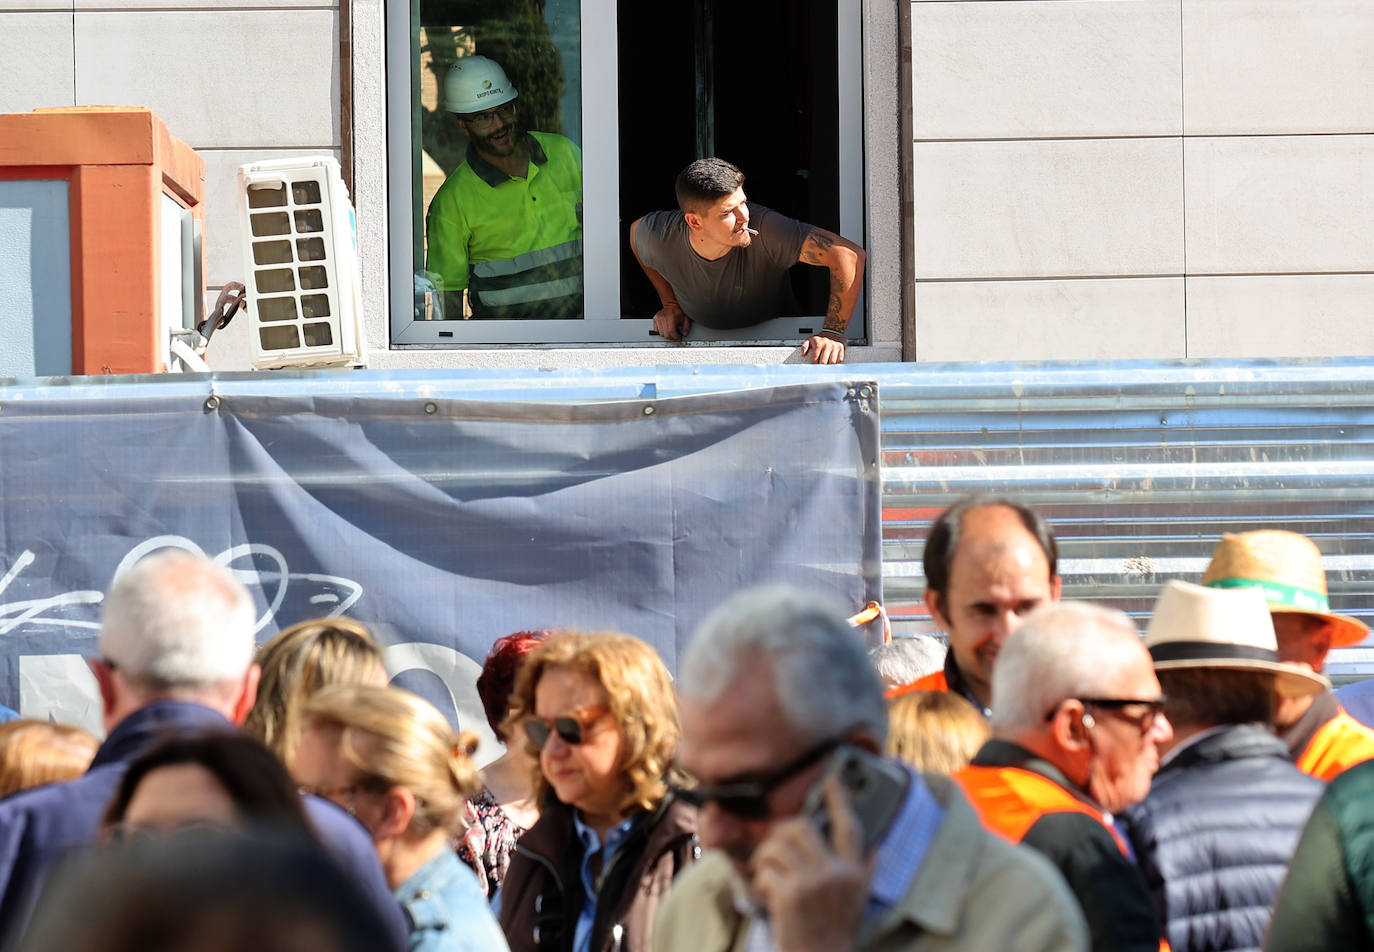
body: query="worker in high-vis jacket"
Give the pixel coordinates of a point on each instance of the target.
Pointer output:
(1322, 738)
(506, 225)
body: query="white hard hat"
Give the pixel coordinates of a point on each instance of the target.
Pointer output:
(475, 83)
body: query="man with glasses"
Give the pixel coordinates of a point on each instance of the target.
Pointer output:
(1076, 731)
(506, 225)
(1219, 827)
(773, 683)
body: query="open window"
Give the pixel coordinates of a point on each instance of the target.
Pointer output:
(640, 90)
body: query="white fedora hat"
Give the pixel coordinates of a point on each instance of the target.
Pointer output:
(1197, 627)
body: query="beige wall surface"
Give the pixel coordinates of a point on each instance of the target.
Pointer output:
(1092, 179)
(251, 80)
(1114, 179)
(237, 80)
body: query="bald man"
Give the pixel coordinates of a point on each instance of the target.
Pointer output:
(988, 562)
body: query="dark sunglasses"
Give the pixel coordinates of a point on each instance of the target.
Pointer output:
(1116, 707)
(749, 798)
(1155, 705)
(572, 728)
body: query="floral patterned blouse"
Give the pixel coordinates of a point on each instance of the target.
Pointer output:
(489, 841)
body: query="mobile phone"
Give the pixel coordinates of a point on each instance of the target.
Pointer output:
(876, 788)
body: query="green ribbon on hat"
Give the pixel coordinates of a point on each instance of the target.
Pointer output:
(1276, 593)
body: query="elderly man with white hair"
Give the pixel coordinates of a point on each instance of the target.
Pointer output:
(908, 659)
(774, 688)
(176, 655)
(1076, 731)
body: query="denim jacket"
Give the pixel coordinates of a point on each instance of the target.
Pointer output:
(446, 909)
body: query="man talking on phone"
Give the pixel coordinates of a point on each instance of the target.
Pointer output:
(811, 844)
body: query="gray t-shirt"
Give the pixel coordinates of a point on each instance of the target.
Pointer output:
(746, 286)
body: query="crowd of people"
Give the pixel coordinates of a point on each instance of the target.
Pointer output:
(1052, 781)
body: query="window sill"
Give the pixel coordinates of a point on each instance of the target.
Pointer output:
(606, 355)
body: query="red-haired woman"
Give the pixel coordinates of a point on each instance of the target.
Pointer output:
(504, 809)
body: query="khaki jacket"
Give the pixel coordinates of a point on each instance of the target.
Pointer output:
(974, 892)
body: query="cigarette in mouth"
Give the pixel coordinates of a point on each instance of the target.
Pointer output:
(750, 230)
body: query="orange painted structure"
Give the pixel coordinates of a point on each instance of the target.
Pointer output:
(119, 162)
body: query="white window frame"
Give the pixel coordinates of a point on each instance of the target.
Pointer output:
(602, 323)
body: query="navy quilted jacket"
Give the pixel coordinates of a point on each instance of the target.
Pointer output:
(1215, 836)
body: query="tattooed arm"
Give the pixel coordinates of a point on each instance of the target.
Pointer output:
(845, 260)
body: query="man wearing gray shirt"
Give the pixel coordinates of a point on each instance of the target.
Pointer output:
(718, 262)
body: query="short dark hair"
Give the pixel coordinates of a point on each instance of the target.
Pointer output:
(944, 536)
(1206, 697)
(251, 774)
(496, 683)
(705, 182)
(206, 889)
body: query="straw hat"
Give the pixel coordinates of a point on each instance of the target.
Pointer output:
(1196, 627)
(1288, 567)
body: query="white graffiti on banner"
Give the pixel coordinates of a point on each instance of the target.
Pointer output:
(58, 686)
(33, 611)
(276, 581)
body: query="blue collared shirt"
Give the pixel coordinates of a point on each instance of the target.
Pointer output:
(901, 852)
(591, 845)
(896, 860)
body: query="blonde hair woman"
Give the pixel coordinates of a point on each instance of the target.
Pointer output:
(34, 752)
(600, 713)
(392, 761)
(935, 731)
(299, 661)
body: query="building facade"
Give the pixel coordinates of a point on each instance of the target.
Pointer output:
(1032, 179)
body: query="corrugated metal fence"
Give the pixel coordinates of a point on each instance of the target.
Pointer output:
(1139, 467)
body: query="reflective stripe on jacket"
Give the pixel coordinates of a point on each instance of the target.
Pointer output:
(515, 243)
(548, 278)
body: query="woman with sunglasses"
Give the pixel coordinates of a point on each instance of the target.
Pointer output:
(601, 713)
(392, 761)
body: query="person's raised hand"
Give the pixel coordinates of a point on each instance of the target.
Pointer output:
(815, 892)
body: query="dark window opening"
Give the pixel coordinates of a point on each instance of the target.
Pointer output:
(754, 83)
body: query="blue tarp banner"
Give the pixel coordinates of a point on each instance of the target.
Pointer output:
(441, 523)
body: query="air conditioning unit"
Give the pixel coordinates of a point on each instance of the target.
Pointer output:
(300, 246)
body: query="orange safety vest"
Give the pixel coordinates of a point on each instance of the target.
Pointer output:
(1009, 801)
(1340, 743)
(931, 682)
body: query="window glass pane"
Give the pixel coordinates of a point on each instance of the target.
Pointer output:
(497, 125)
